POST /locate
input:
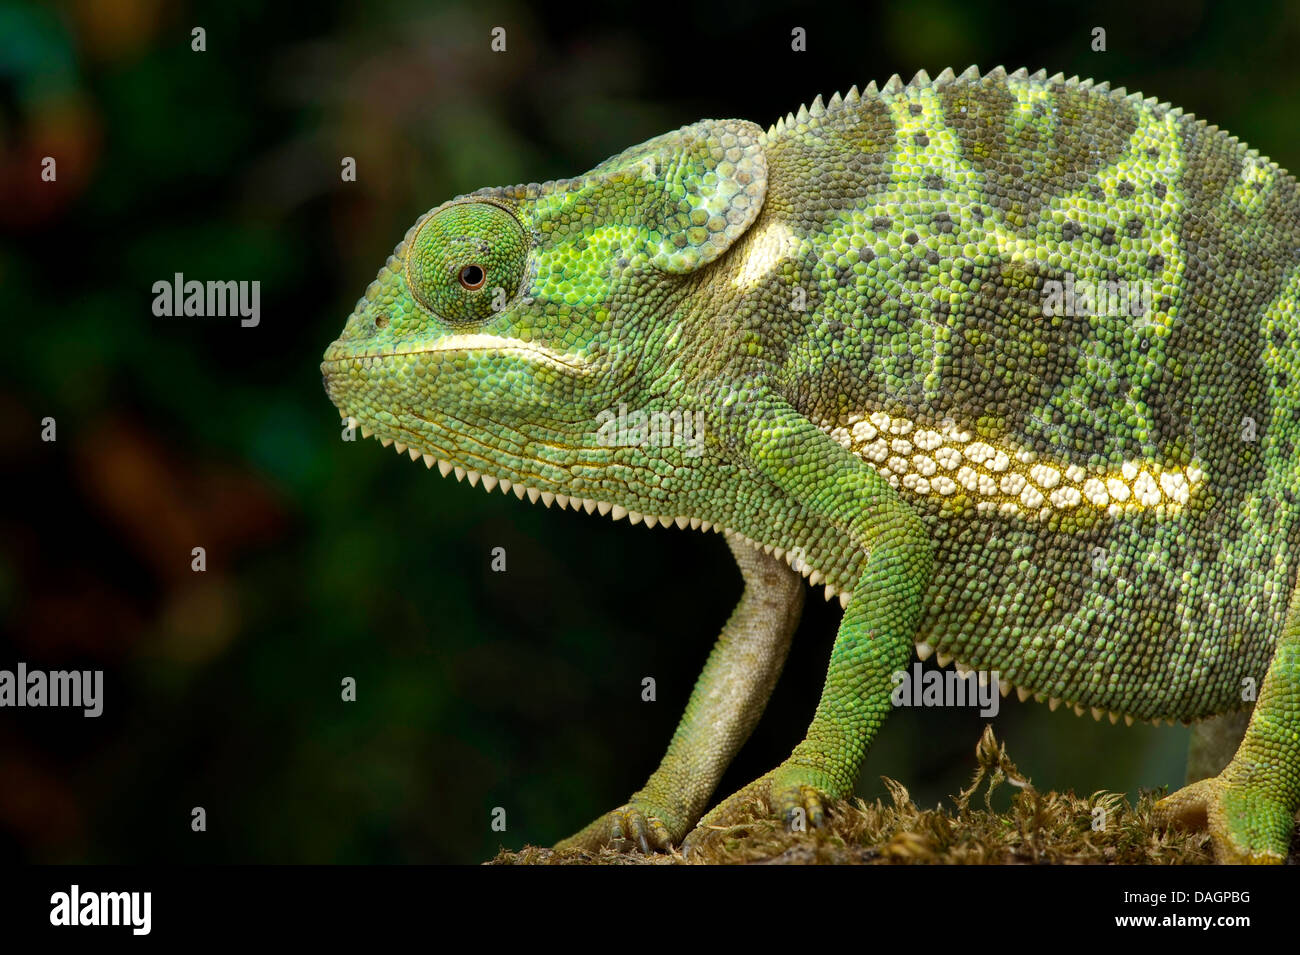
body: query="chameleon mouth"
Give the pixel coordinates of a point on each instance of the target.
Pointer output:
(795, 556)
(521, 490)
(475, 343)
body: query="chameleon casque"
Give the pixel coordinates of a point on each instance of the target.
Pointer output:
(1102, 505)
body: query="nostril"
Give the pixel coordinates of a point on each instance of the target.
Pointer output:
(381, 320)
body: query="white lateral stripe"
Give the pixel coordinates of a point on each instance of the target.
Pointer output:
(498, 343)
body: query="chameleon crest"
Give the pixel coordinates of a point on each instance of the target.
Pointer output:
(1008, 363)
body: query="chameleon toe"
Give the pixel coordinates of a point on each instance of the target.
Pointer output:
(1245, 827)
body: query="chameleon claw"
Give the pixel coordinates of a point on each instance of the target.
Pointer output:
(628, 828)
(795, 794)
(630, 825)
(1245, 826)
(801, 807)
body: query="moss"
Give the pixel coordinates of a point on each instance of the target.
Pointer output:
(1038, 828)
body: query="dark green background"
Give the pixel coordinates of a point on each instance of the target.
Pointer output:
(327, 559)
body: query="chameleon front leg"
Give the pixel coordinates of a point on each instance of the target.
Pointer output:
(723, 710)
(876, 635)
(1249, 807)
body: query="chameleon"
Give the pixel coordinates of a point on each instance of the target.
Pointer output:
(1007, 363)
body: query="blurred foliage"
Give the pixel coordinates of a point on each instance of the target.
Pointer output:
(328, 559)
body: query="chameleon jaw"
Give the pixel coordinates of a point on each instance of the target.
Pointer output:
(795, 557)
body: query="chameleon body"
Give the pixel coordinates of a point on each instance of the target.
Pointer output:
(888, 315)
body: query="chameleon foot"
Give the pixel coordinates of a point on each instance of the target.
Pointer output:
(1245, 825)
(792, 793)
(627, 828)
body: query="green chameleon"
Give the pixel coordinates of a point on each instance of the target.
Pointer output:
(1009, 363)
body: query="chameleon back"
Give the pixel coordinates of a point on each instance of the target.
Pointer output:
(1064, 322)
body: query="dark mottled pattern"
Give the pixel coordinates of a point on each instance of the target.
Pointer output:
(848, 151)
(1025, 164)
(1087, 607)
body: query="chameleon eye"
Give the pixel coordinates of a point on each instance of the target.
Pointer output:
(483, 234)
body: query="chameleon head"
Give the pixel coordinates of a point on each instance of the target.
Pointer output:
(508, 321)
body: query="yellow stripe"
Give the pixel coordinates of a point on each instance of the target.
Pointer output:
(946, 462)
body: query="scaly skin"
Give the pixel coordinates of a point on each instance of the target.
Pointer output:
(856, 307)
